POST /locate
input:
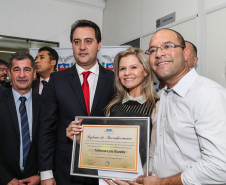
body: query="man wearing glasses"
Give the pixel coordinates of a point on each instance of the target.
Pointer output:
(191, 123)
(191, 126)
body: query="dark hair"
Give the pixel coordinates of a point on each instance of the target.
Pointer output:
(86, 23)
(194, 47)
(3, 62)
(51, 52)
(179, 36)
(20, 56)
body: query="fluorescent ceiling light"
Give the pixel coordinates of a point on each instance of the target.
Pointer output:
(7, 52)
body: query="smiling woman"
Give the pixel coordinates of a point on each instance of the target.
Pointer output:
(134, 85)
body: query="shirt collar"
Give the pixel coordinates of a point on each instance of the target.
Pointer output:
(17, 95)
(182, 87)
(140, 99)
(94, 69)
(47, 79)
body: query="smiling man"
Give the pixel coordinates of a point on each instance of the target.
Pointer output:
(19, 115)
(191, 126)
(82, 90)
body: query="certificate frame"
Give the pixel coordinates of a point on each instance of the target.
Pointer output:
(143, 141)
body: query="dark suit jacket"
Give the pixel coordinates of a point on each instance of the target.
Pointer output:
(35, 85)
(62, 101)
(10, 139)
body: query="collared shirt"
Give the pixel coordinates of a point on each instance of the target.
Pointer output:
(28, 104)
(191, 131)
(92, 80)
(140, 99)
(41, 84)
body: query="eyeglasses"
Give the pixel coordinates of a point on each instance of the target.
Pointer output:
(167, 46)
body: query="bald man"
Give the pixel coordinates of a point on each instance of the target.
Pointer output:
(192, 54)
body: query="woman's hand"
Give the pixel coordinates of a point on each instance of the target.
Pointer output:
(74, 128)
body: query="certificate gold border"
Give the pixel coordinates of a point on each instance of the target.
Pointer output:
(143, 122)
(110, 127)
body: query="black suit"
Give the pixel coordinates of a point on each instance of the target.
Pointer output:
(62, 101)
(10, 139)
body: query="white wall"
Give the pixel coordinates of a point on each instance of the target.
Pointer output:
(120, 26)
(130, 19)
(45, 19)
(216, 47)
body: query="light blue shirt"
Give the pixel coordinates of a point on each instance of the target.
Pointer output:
(28, 104)
(191, 132)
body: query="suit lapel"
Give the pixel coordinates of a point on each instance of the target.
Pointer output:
(101, 84)
(35, 85)
(10, 103)
(77, 88)
(35, 111)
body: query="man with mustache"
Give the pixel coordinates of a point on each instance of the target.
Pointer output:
(19, 115)
(65, 98)
(3, 72)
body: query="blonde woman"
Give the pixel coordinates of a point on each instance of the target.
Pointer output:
(135, 94)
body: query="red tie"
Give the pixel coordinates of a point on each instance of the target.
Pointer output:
(85, 88)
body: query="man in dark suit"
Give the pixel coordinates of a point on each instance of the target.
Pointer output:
(64, 99)
(46, 63)
(19, 115)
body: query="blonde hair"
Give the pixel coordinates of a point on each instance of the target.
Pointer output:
(147, 84)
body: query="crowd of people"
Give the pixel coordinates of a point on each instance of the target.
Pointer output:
(39, 105)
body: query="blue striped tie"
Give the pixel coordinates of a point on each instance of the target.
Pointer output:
(24, 129)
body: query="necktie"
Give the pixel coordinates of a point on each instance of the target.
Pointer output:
(44, 85)
(85, 88)
(24, 129)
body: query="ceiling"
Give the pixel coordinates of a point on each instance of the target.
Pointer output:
(93, 3)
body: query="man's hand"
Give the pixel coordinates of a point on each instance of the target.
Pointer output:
(48, 182)
(119, 182)
(152, 180)
(148, 180)
(33, 180)
(13, 182)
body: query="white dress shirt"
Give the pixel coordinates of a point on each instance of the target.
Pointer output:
(191, 131)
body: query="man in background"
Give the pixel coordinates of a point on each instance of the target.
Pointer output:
(19, 115)
(67, 97)
(3, 73)
(46, 63)
(192, 55)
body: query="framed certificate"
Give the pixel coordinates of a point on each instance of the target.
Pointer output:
(112, 147)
